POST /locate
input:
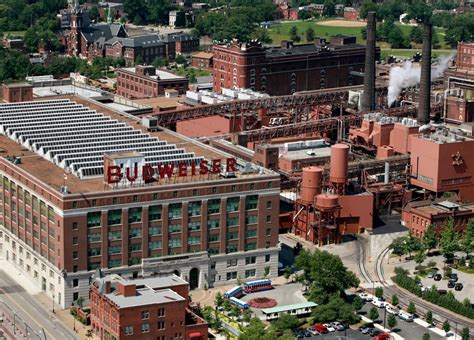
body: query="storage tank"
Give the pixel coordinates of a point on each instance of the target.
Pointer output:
(326, 201)
(339, 163)
(311, 183)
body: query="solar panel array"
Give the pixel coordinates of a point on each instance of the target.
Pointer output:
(76, 137)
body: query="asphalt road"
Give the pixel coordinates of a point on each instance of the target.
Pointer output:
(349, 334)
(41, 323)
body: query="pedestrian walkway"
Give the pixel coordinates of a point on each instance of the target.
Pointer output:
(394, 335)
(436, 330)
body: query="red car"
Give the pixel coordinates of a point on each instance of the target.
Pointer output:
(382, 336)
(321, 328)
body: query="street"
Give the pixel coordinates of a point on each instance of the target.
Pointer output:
(28, 314)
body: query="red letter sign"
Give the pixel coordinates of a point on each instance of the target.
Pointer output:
(113, 174)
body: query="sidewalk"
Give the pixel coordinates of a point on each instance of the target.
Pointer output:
(394, 335)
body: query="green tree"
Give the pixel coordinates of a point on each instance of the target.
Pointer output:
(366, 7)
(460, 28)
(449, 242)
(446, 326)
(287, 273)
(329, 8)
(310, 34)
(358, 303)
(420, 256)
(261, 34)
(335, 309)
(420, 11)
(285, 321)
(324, 274)
(429, 317)
(180, 59)
(416, 35)
(379, 292)
(412, 244)
(426, 336)
(395, 299)
(465, 333)
(219, 300)
(429, 238)
(373, 313)
(192, 79)
(135, 11)
(467, 241)
(391, 321)
(139, 60)
(411, 308)
(293, 30)
(94, 13)
(398, 246)
(304, 15)
(247, 315)
(397, 39)
(226, 305)
(256, 330)
(160, 62)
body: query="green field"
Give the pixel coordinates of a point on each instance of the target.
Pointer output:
(281, 31)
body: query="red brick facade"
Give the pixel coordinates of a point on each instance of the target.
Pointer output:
(465, 57)
(17, 92)
(157, 310)
(288, 68)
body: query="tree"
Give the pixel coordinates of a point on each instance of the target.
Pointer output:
(139, 60)
(420, 256)
(226, 305)
(416, 35)
(379, 292)
(398, 246)
(293, 30)
(80, 301)
(446, 326)
(287, 273)
(465, 333)
(310, 34)
(397, 39)
(160, 62)
(247, 315)
(219, 300)
(449, 242)
(285, 321)
(358, 303)
(256, 330)
(374, 313)
(429, 239)
(135, 11)
(420, 11)
(94, 13)
(266, 271)
(324, 274)
(180, 59)
(335, 309)
(366, 7)
(411, 308)
(391, 321)
(329, 8)
(426, 336)
(467, 242)
(261, 34)
(429, 317)
(304, 15)
(192, 79)
(395, 299)
(460, 28)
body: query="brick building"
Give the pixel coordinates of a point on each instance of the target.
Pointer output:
(17, 92)
(58, 226)
(202, 60)
(147, 308)
(288, 68)
(350, 13)
(146, 81)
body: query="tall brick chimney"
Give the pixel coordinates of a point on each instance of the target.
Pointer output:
(368, 98)
(425, 77)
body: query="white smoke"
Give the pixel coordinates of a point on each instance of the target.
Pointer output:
(408, 75)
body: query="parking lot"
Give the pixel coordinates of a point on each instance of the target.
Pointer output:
(348, 334)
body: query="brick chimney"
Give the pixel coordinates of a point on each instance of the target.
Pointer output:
(126, 290)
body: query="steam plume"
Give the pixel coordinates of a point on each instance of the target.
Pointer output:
(408, 75)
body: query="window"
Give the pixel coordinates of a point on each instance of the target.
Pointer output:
(231, 248)
(232, 263)
(153, 231)
(145, 327)
(75, 255)
(250, 260)
(135, 232)
(213, 238)
(135, 215)
(75, 282)
(252, 219)
(267, 258)
(250, 233)
(174, 228)
(145, 315)
(114, 263)
(250, 246)
(174, 243)
(114, 200)
(128, 330)
(233, 204)
(115, 250)
(194, 226)
(194, 240)
(269, 204)
(161, 324)
(93, 252)
(114, 217)
(154, 213)
(174, 210)
(231, 276)
(213, 206)
(250, 273)
(232, 235)
(134, 247)
(213, 224)
(93, 237)
(268, 232)
(251, 202)
(75, 241)
(152, 245)
(93, 219)
(74, 226)
(269, 218)
(115, 235)
(231, 222)
(161, 312)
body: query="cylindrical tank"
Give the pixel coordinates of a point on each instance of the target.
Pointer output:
(311, 183)
(339, 163)
(327, 201)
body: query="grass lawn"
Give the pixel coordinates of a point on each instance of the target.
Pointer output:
(409, 53)
(15, 33)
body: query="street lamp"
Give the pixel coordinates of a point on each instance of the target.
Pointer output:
(53, 304)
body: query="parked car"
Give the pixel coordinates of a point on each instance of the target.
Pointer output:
(366, 330)
(392, 310)
(374, 332)
(431, 275)
(366, 297)
(339, 326)
(406, 316)
(437, 277)
(313, 331)
(321, 328)
(451, 284)
(382, 336)
(442, 291)
(458, 286)
(366, 325)
(329, 327)
(453, 277)
(378, 303)
(426, 288)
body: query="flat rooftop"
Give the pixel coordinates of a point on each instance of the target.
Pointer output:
(304, 154)
(159, 74)
(52, 175)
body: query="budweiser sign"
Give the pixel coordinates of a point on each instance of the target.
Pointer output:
(115, 174)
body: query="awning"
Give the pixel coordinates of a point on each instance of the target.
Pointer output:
(195, 335)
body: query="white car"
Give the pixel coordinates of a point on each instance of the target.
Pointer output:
(405, 316)
(428, 288)
(366, 297)
(378, 303)
(392, 309)
(329, 327)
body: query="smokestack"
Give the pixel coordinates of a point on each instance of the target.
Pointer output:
(425, 78)
(368, 99)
